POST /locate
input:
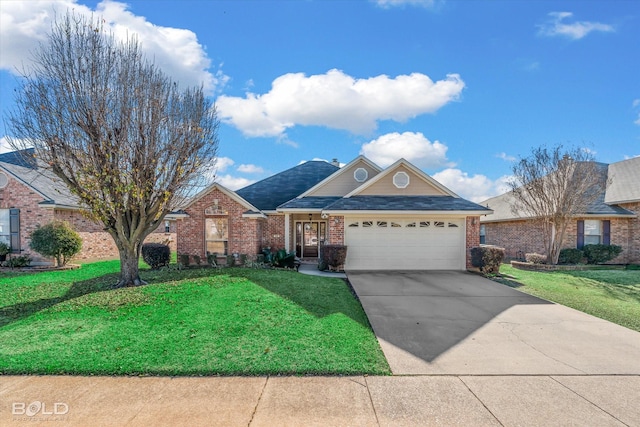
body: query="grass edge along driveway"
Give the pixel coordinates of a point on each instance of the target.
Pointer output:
(613, 295)
(192, 322)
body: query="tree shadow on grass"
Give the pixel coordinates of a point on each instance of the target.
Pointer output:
(22, 310)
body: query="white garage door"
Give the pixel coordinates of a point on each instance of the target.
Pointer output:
(408, 244)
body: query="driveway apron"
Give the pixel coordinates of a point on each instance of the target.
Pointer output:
(458, 323)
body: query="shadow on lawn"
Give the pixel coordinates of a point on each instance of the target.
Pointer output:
(21, 310)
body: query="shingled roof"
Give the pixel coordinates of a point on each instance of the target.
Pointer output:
(272, 192)
(405, 203)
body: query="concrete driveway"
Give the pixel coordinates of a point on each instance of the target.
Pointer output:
(458, 323)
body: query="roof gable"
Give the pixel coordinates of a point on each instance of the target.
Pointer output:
(344, 180)
(230, 193)
(271, 192)
(418, 184)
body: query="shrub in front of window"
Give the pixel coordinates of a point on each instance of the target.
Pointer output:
(17, 261)
(570, 256)
(599, 254)
(487, 258)
(535, 258)
(56, 240)
(156, 255)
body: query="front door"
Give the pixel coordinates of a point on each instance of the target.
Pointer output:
(309, 236)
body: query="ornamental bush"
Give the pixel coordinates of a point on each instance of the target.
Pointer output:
(156, 255)
(570, 256)
(487, 258)
(535, 258)
(56, 240)
(334, 256)
(599, 254)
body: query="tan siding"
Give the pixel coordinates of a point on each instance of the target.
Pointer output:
(345, 183)
(417, 186)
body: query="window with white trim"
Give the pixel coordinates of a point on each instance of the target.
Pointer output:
(217, 235)
(592, 232)
(360, 175)
(401, 180)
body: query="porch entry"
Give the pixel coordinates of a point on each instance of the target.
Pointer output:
(309, 236)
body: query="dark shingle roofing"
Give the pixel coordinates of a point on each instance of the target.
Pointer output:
(309, 202)
(17, 158)
(272, 192)
(625, 181)
(405, 203)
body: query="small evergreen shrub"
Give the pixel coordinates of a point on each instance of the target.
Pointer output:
(334, 256)
(184, 260)
(197, 260)
(212, 259)
(56, 240)
(156, 255)
(17, 261)
(487, 258)
(599, 254)
(535, 258)
(570, 256)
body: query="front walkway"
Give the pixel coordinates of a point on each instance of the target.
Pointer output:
(327, 401)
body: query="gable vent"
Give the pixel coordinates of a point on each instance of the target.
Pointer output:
(360, 175)
(401, 180)
(4, 180)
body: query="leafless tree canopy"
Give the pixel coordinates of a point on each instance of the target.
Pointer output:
(551, 186)
(125, 138)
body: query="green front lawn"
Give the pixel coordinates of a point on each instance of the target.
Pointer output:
(613, 295)
(191, 322)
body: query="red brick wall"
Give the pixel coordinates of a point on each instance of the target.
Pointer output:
(273, 232)
(244, 233)
(336, 230)
(472, 237)
(19, 196)
(633, 237)
(516, 237)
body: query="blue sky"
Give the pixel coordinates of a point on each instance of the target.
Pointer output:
(459, 88)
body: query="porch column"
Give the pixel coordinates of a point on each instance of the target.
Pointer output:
(287, 226)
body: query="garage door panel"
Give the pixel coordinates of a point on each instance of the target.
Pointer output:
(412, 244)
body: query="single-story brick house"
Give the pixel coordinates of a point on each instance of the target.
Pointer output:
(611, 219)
(29, 198)
(393, 218)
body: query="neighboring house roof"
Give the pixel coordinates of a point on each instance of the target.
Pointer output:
(272, 192)
(621, 182)
(46, 184)
(624, 183)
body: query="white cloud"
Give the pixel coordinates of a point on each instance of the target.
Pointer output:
(177, 51)
(337, 100)
(250, 169)
(6, 148)
(556, 26)
(233, 182)
(506, 157)
(222, 163)
(386, 4)
(475, 188)
(414, 147)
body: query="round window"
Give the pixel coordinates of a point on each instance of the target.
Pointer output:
(360, 175)
(4, 180)
(401, 180)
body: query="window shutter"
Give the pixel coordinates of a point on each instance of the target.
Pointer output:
(14, 229)
(580, 244)
(606, 232)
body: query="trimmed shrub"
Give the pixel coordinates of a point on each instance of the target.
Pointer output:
(599, 254)
(184, 259)
(17, 261)
(334, 256)
(570, 256)
(56, 240)
(283, 259)
(535, 258)
(156, 255)
(487, 258)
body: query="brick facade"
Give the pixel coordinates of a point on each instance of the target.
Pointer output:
(273, 232)
(472, 237)
(96, 243)
(245, 235)
(522, 237)
(336, 230)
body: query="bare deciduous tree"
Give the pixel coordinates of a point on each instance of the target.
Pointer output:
(125, 139)
(551, 186)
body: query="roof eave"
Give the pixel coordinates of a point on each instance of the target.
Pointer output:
(406, 212)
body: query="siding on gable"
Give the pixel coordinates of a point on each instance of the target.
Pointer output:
(417, 186)
(345, 183)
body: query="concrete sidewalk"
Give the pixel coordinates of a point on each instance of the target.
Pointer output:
(326, 401)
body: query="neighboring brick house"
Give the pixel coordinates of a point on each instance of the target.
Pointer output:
(29, 198)
(397, 218)
(612, 219)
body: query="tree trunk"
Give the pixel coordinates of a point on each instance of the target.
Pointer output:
(129, 273)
